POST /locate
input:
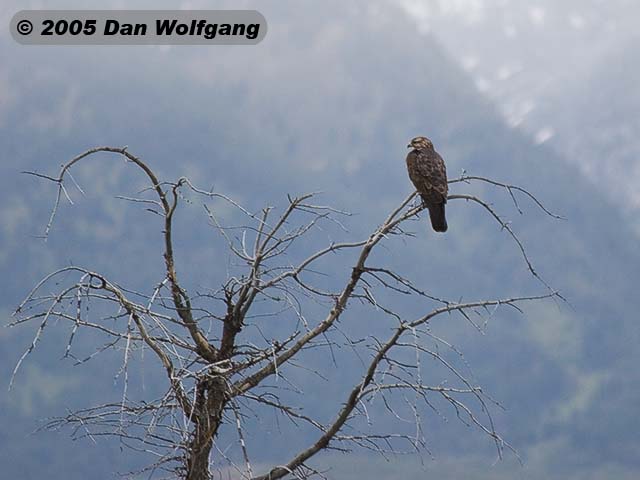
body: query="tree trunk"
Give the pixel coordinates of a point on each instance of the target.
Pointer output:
(198, 458)
(207, 418)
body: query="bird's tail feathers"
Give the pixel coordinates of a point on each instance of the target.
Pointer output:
(437, 216)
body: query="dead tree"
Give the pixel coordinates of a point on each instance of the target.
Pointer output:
(217, 376)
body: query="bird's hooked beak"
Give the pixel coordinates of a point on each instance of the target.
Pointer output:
(409, 146)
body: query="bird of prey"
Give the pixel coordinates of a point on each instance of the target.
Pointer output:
(429, 175)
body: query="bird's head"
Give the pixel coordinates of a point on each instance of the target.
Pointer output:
(420, 143)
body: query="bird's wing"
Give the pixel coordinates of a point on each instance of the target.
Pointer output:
(429, 175)
(439, 176)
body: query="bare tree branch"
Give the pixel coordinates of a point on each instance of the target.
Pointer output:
(261, 327)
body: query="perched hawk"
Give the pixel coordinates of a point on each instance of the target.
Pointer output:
(429, 175)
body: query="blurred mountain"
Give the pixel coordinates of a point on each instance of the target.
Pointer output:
(598, 126)
(327, 102)
(565, 73)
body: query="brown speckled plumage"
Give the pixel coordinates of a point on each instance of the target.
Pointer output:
(428, 173)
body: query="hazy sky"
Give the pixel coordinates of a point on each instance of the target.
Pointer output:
(304, 100)
(529, 57)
